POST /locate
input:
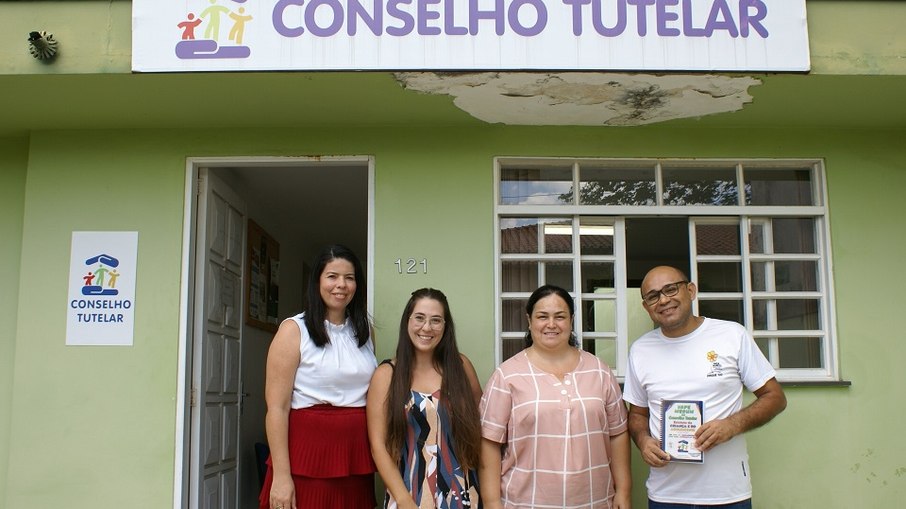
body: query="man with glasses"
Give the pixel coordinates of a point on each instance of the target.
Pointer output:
(707, 362)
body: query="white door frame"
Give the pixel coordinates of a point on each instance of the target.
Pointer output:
(181, 470)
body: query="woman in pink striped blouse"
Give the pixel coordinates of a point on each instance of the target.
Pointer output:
(553, 422)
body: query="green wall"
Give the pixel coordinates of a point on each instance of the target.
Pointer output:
(13, 162)
(93, 426)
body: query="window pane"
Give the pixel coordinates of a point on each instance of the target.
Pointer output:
(536, 186)
(792, 314)
(717, 239)
(760, 315)
(801, 353)
(519, 276)
(719, 277)
(794, 235)
(722, 309)
(558, 236)
(759, 276)
(764, 346)
(797, 314)
(559, 273)
(599, 316)
(756, 238)
(513, 317)
(510, 347)
(519, 235)
(595, 236)
(778, 187)
(652, 241)
(706, 186)
(788, 276)
(613, 186)
(604, 349)
(796, 276)
(597, 276)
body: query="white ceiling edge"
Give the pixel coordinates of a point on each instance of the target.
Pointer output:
(584, 98)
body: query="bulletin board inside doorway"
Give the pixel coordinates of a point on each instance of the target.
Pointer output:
(262, 281)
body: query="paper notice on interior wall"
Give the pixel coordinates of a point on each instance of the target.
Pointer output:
(100, 308)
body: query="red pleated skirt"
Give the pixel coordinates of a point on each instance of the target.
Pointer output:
(329, 458)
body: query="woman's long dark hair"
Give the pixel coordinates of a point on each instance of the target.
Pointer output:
(545, 291)
(456, 392)
(316, 313)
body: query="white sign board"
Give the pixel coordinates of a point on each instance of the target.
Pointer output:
(100, 307)
(627, 35)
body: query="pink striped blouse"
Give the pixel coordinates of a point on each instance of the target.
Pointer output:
(557, 433)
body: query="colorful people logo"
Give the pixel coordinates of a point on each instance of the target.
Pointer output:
(101, 276)
(209, 47)
(213, 13)
(188, 27)
(239, 25)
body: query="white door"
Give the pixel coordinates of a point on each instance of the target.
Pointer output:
(217, 337)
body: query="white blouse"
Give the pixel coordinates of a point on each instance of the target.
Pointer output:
(337, 373)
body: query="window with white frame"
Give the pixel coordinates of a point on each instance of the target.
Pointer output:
(752, 235)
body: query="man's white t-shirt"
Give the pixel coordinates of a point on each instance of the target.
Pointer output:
(710, 364)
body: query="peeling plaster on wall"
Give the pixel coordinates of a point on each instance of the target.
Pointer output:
(583, 98)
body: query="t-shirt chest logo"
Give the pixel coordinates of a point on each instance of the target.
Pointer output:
(716, 368)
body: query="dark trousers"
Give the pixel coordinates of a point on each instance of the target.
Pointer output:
(742, 504)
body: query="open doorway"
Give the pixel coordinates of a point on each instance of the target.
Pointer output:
(302, 204)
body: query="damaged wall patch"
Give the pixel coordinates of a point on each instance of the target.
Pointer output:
(584, 98)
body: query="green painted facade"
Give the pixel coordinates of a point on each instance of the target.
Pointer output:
(86, 146)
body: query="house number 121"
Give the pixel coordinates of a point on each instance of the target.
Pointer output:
(410, 266)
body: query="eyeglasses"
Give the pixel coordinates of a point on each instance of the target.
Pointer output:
(669, 290)
(435, 322)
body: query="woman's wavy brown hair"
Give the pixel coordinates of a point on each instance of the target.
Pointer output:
(456, 392)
